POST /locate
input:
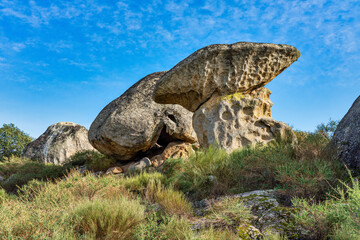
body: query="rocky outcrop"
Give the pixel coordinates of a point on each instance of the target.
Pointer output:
(223, 69)
(59, 142)
(268, 215)
(177, 150)
(223, 85)
(132, 124)
(239, 120)
(347, 137)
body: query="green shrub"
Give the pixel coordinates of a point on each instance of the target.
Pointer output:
(30, 171)
(105, 219)
(203, 174)
(305, 169)
(93, 160)
(171, 201)
(327, 129)
(305, 178)
(139, 182)
(163, 227)
(335, 218)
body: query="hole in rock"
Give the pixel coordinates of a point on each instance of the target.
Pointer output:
(165, 138)
(172, 118)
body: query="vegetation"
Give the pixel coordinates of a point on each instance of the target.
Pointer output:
(306, 169)
(86, 207)
(93, 160)
(335, 218)
(57, 202)
(12, 141)
(23, 173)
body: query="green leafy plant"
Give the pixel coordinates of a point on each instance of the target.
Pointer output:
(12, 141)
(327, 129)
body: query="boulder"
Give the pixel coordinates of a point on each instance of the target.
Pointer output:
(223, 85)
(177, 150)
(347, 137)
(114, 170)
(140, 166)
(133, 123)
(223, 69)
(59, 142)
(238, 120)
(268, 215)
(157, 160)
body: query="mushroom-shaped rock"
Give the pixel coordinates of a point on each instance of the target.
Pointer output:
(134, 123)
(59, 142)
(223, 85)
(224, 69)
(347, 137)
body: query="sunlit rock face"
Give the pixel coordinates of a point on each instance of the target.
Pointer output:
(58, 143)
(132, 124)
(223, 69)
(347, 137)
(223, 84)
(239, 120)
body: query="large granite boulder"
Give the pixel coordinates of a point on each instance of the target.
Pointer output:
(347, 137)
(223, 69)
(239, 120)
(132, 124)
(223, 85)
(59, 142)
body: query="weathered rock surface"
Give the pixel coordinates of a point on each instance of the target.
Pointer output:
(238, 120)
(177, 150)
(223, 85)
(59, 142)
(134, 123)
(347, 137)
(114, 170)
(140, 166)
(223, 69)
(269, 216)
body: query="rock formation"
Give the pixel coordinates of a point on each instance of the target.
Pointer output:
(132, 124)
(59, 142)
(347, 137)
(223, 85)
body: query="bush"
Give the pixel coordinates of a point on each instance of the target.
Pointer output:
(105, 219)
(327, 129)
(306, 169)
(205, 173)
(93, 160)
(335, 218)
(164, 227)
(30, 171)
(171, 201)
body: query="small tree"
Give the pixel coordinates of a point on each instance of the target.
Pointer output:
(12, 141)
(327, 129)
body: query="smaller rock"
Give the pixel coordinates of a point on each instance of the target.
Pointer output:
(141, 165)
(246, 231)
(114, 170)
(177, 150)
(1, 179)
(157, 161)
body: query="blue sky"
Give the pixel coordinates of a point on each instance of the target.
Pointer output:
(66, 60)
